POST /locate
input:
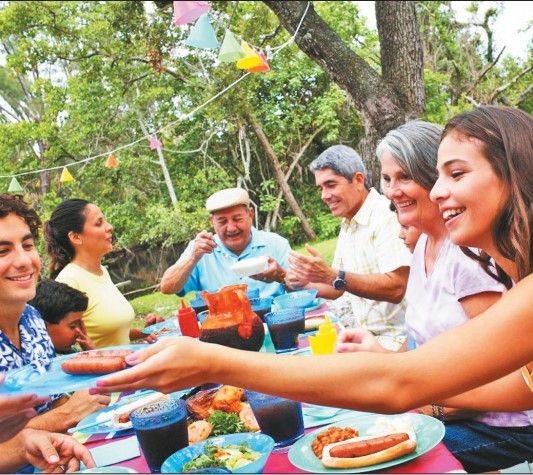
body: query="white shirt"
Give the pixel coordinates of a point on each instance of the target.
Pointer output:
(369, 244)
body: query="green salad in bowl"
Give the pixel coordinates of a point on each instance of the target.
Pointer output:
(230, 457)
(240, 453)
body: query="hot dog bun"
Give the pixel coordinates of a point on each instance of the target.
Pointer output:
(391, 453)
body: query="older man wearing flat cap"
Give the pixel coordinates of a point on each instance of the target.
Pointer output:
(206, 262)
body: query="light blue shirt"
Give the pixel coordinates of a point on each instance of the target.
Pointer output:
(213, 270)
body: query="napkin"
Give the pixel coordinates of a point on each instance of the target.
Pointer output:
(116, 452)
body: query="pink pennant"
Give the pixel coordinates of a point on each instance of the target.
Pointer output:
(187, 12)
(154, 143)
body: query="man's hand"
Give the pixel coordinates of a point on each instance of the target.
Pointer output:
(204, 243)
(309, 269)
(273, 273)
(80, 405)
(83, 339)
(54, 453)
(15, 411)
(354, 340)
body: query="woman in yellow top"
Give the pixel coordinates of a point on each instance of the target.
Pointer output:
(77, 238)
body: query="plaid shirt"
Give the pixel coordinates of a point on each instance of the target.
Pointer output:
(369, 244)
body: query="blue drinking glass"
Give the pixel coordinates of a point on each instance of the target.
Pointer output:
(161, 429)
(284, 327)
(277, 417)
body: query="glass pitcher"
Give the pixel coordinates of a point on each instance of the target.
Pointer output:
(230, 320)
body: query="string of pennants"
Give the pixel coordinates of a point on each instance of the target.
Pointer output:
(202, 35)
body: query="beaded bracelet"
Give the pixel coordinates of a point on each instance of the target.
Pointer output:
(438, 412)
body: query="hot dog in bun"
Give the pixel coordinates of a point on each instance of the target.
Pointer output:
(365, 451)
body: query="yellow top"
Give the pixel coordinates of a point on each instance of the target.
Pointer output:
(109, 315)
(527, 377)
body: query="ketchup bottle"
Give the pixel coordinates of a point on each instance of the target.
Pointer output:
(187, 321)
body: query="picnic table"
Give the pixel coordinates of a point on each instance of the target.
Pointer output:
(436, 460)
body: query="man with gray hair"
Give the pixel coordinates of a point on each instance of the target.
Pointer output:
(368, 276)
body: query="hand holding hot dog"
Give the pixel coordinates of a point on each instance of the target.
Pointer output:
(156, 367)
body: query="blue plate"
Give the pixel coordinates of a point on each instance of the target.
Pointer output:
(103, 427)
(258, 442)
(310, 307)
(51, 380)
(171, 324)
(429, 432)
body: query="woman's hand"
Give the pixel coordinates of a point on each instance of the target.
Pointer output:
(54, 453)
(152, 318)
(169, 365)
(16, 411)
(358, 339)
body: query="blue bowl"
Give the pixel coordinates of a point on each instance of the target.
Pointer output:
(252, 294)
(202, 316)
(299, 299)
(259, 442)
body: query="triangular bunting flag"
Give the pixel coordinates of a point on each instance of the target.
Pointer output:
(263, 67)
(111, 161)
(202, 34)
(231, 50)
(154, 143)
(14, 186)
(65, 176)
(187, 12)
(251, 60)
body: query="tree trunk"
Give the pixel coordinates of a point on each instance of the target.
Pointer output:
(280, 177)
(402, 53)
(384, 104)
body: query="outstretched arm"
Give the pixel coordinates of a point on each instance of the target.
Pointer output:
(494, 345)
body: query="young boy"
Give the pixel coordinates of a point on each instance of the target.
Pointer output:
(62, 308)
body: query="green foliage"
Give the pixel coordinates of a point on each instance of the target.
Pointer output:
(80, 78)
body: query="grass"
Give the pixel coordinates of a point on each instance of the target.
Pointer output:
(167, 305)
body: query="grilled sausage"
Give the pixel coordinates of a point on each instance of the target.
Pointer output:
(93, 365)
(367, 447)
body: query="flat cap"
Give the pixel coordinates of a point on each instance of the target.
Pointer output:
(227, 198)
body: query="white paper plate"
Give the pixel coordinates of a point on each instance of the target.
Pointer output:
(252, 266)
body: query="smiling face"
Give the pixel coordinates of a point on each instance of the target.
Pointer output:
(97, 235)
(468, 192)
(64, 333)
(234, 227)
(410, 199)
(19, 261)
(344, 198)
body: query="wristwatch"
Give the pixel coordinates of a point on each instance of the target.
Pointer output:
(339, 283)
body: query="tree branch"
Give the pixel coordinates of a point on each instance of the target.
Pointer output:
(484, 72)
(506, 86)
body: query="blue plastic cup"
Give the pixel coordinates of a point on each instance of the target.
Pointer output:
(284, 327)
(161, 429)
(277, 417)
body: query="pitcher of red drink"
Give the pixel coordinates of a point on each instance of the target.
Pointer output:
(230, 320)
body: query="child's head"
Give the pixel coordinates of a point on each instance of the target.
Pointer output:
(62, 308)
(409, 235)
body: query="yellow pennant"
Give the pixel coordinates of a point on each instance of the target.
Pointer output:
(65, 176)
